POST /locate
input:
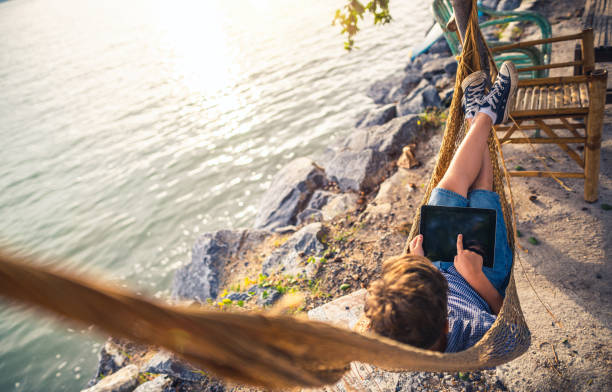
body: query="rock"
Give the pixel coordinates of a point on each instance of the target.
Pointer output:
(447, 97)
(199, 279)
(268, 297)
(423, 96)
(360, 117)
(320, 198)
(309, 215)
(238, 296)
(380, 88)
(288, 257)
(343, 312)
(444, 82)
(338, 205)
(158, 384)
(289, 193)
(124, 380)
(356, 170)
(417, 63)
(409, 82)
(286, 229)
(363, 156)
(437, 66)
(165, 363)
(312, 211)
(440, 47)
(109, 361)
(508, 5)
(379, 116)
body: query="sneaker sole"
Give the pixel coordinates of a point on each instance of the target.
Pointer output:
(513, 88)
(471, 77)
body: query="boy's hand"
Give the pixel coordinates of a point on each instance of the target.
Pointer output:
(416, 246)
(467, 263)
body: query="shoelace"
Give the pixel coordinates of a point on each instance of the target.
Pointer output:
(496, 93)
(471, 96)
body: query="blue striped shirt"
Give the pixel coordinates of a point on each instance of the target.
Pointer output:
(469, 316)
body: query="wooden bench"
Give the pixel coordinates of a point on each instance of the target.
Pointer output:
(568, 110)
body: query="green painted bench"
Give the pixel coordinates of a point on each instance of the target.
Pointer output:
(522, 57)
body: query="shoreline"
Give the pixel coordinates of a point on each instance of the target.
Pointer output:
(324, 228)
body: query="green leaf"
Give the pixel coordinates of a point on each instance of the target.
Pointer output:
(519, 168)
(519, 234)
(345, 286)
(533, 241)
(606, 207)
(240, 303)
(463, 376)
(226, 301)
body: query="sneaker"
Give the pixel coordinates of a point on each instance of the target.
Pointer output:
(473, 90)
(498, 102)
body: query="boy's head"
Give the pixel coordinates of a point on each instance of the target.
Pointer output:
(408, 303)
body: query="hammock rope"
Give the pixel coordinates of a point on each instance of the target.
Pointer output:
(276, 351)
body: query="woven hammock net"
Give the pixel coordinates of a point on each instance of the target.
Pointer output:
(277, 351)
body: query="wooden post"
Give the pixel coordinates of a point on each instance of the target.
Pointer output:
(462, 9)
(597, 89)
(588, 51)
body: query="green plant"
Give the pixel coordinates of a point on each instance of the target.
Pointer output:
(533, 241)
(345, 286)
(349, 15)
(433, 118)
(606, 207)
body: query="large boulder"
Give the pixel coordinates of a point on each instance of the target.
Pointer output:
(199, 279)
(124, 380)
(362, 157)
(380, 88)
(158, 384)
(438, 66)
(289, 193)
(355, 170)
(165, 363)
(289, 257)
(411, 79)
(312, 212)
(110, 359)
(422, 97)
(440, 47)
(338, 205)
(379, 116)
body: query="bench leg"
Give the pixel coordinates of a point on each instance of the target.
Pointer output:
(594, 130)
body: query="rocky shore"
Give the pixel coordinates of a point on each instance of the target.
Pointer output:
(323, 229)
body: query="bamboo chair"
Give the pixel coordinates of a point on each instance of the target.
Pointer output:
(568, 109)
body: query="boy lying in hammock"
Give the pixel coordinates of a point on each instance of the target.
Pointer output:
(446, 306)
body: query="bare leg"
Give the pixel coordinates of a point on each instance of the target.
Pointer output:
(485, 177)
(468, 159)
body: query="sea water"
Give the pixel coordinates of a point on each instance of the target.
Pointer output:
(129, 128)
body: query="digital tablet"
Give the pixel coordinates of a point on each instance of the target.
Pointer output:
(441, 225)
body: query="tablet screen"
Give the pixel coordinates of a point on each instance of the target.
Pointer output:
(441, 225)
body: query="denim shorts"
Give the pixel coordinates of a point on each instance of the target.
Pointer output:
(499, 275)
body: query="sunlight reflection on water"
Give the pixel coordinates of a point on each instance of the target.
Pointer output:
(129, 128)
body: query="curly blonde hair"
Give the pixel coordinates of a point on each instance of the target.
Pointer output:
(408, 303)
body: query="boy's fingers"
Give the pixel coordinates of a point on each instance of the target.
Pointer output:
(459, 243)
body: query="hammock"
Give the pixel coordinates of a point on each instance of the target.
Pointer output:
(276, 351)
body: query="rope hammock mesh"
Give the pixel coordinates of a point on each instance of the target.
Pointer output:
(276, 351)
